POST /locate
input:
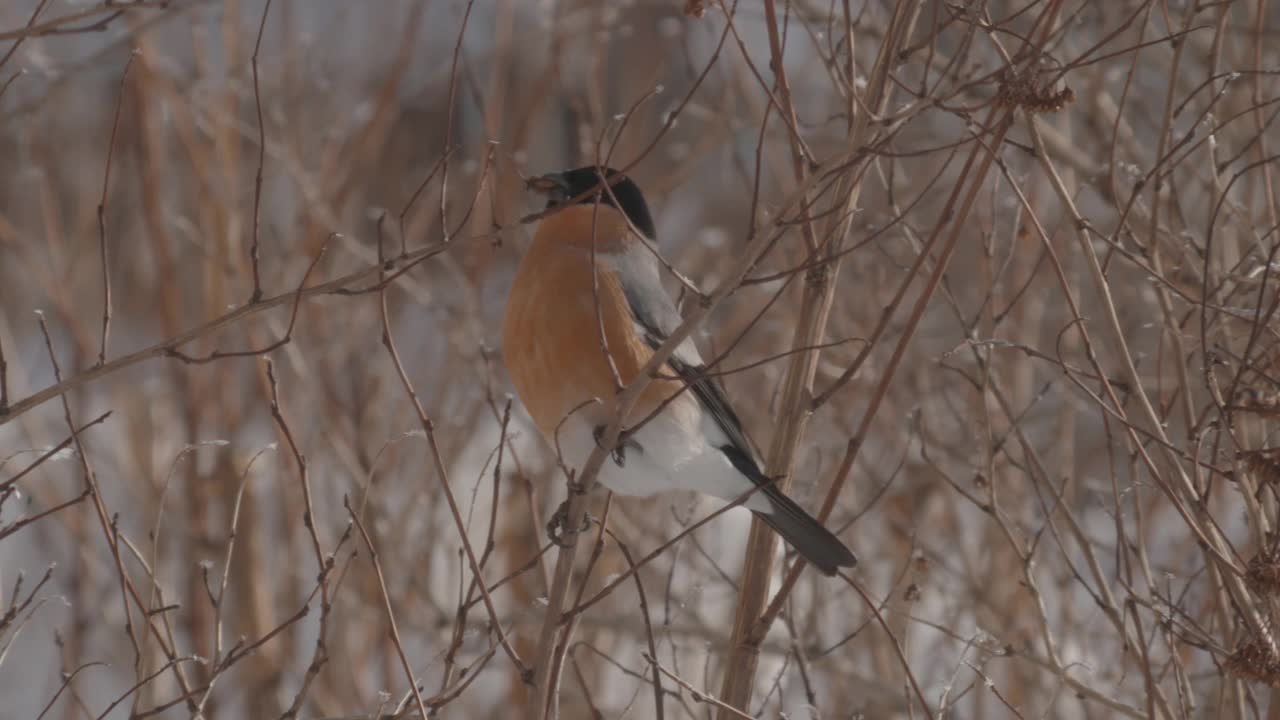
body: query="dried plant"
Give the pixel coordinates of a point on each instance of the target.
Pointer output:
(993, 286)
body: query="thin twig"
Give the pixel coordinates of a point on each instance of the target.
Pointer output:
(163, 347)
(388, 342)
(386, 605)
(102, 214)
(262, 154)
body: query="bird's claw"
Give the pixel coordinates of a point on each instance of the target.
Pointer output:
(619, 451)
(558, 530)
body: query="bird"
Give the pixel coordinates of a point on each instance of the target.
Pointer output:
(589, 276)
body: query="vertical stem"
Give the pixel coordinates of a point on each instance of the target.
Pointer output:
(816, 298)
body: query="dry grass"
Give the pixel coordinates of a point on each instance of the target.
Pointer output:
(996, 281)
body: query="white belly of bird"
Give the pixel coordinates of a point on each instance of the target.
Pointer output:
(677, 450)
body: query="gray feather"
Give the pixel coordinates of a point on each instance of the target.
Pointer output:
(656, 317)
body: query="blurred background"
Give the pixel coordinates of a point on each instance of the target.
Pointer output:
(1057, 478)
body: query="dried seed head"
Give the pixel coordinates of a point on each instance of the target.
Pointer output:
(1263, 464)
(1262, 574)
(1019, 88)
(1254, 661)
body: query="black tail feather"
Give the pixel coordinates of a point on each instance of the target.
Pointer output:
(817, 544)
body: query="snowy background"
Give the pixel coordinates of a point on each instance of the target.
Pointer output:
(1054, 519)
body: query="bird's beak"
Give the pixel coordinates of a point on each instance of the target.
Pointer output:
(553, 185)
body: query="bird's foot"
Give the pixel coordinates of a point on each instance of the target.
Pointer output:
(558, 530)
(625, 443)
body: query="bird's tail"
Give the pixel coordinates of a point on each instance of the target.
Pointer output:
(816, 543)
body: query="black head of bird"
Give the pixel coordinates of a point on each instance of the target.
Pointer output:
(587, 186)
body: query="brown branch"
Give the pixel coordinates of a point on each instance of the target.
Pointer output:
(304, 478)
(794, 406)
(52, 451)
(102, 214)
(162, 348)
(91, 486)
(58, 26)
(67, 678)
(428, 427)
(659, 712)
(284, 340)
(698, 695)
(386, 606)
(18, 36)
(262, 154)
(22, 522)
(448, 127)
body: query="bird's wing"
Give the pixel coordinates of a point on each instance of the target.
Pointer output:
(656, 317)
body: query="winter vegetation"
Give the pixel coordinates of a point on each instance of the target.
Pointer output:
(992, 284)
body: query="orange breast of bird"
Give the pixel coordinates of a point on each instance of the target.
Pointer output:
(559, 320)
